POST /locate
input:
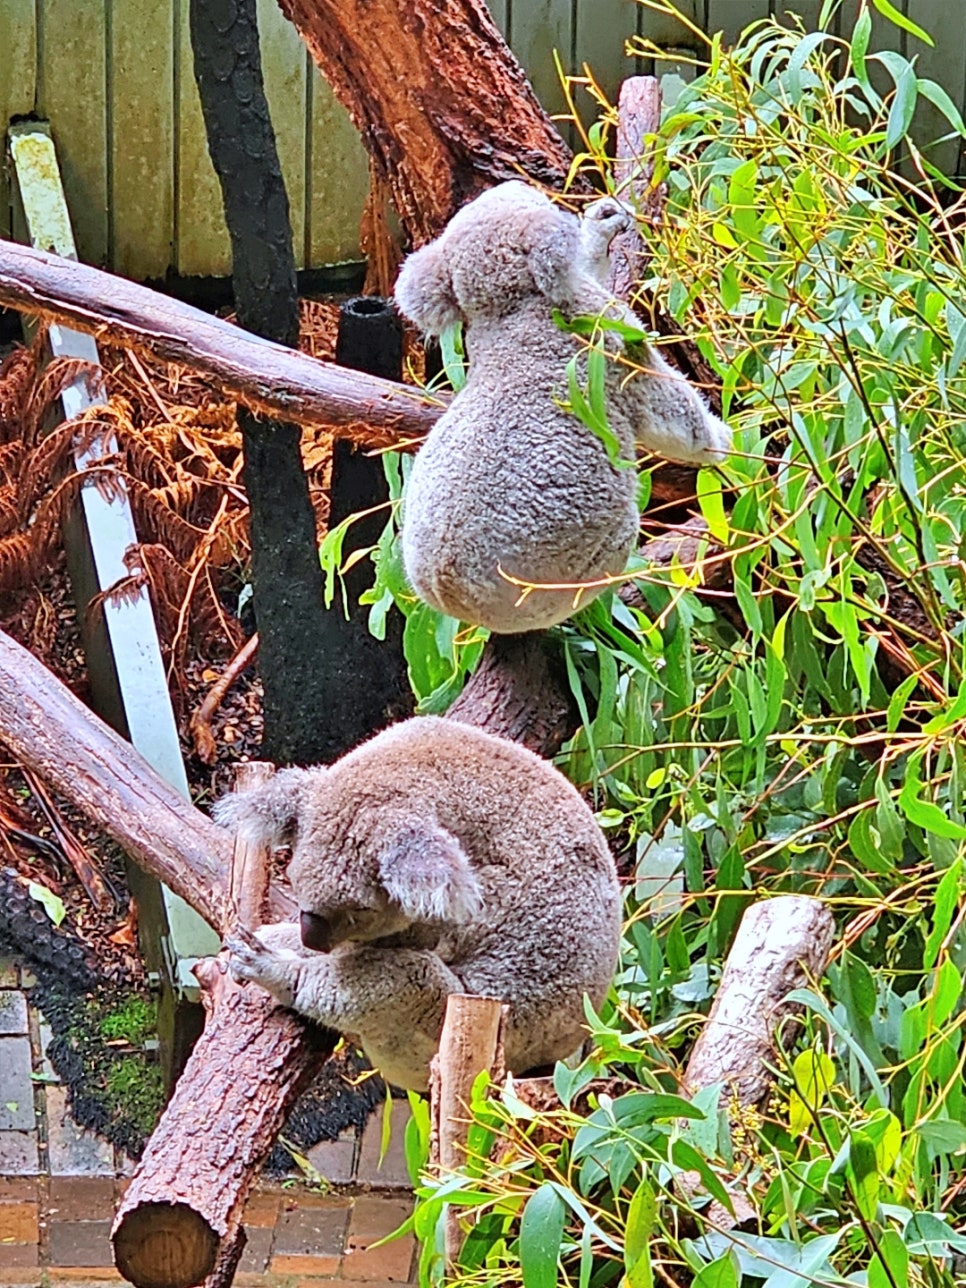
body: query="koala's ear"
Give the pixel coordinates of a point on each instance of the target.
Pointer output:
(266, 814)
(425, 870)
(424, 290)
(551, 257)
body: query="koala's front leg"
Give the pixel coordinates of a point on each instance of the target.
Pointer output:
(271, 958)
(392, 999)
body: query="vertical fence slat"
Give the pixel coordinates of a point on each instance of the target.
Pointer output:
(539, 27)
(141, 94)
(807, 10)
(18, 79)
(285, 74)
(338, 178)
(730, 16)
(73, 98)
(946, 64)
(670, 32)
(498, 12)
(602, 30)
(202, 247)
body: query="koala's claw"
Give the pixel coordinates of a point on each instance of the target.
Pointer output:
(244, 956)
(252, 961)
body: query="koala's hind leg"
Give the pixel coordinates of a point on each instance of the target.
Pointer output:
(391, 999)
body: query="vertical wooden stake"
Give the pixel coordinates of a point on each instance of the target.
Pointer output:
(471, 1041)
(248, 877)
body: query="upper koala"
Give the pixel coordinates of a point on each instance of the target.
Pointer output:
(435, 859)
(508, 481)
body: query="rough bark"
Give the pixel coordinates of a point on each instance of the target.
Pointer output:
(247, 1069)
(265, 377)
(520, 691)
(180, 1219)
(782, 944)
(444, 108)
(638, 117)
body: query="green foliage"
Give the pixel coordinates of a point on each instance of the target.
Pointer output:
(133, 1021)
(138, 1090)
(802, 734)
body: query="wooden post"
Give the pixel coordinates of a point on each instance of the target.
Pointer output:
(471, 1041)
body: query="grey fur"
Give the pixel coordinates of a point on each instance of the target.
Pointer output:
(443, 859)
(508, 482)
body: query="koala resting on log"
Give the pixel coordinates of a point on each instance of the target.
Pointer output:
(508, 480)
(434, 859)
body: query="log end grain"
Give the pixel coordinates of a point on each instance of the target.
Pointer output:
(165, 1245)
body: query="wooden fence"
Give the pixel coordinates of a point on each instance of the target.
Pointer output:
(114, 79)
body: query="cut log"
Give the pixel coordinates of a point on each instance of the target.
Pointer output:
(782, 944)
(180, 1220)
(268, 378)
(248, 1067)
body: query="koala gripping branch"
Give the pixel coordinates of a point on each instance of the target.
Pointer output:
(179, 1221)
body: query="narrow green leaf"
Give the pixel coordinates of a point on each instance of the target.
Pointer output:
(641, 1217)
(864, 1174)
(944, 907)
(541, 1232)
(860, 45)
(922, 812)
(889, 1268)
(888, 10)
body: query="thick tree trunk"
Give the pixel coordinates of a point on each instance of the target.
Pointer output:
(265, 377)
(444, 108)
(307, 711)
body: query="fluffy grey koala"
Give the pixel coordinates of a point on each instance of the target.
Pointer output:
(434, 859)
(509, 483)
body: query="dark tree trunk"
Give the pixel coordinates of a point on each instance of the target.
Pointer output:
(370, 339)
(312, 693)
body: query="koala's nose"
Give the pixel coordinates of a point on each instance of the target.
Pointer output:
(315, 931)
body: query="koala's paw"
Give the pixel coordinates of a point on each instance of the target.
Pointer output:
(252, 960)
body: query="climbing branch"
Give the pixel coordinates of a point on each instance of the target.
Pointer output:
(268, 378)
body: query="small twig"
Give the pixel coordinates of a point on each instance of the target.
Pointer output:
(200, 723)
(73, 851)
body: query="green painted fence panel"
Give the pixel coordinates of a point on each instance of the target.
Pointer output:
(286, 88)
(141, 134)
(201, 245)
(18, 79)
(538, 28)
(72, 95)
(946, 64)
(730, 17)
(338, 178)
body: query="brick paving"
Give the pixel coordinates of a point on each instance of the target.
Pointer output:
(60, 1185)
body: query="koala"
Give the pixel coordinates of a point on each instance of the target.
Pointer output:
(434, 859)
(509, 486)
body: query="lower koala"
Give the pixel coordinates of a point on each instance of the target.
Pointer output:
(434, 859)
